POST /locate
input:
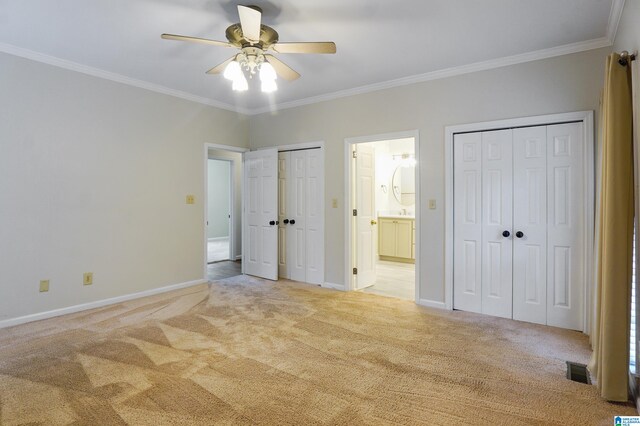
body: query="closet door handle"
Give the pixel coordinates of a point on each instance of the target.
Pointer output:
(286, 221)
(273, 222)
(292, 221)
(506, 234)
(519, 234)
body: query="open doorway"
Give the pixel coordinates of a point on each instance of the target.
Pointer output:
(219, 212)
(384, 198)
(223, 211)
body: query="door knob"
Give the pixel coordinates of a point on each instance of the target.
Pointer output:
(292, 221)
(373, 222)
(519, 234)
(286, 221)
(506, 234)
(273, 222)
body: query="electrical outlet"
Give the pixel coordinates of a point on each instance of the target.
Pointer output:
(191, 199)
(334, 203)
(44, 286)
(87, 278)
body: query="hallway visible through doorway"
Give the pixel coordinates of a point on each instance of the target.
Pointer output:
(218, 249)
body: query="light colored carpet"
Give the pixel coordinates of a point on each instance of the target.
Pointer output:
(247, 351)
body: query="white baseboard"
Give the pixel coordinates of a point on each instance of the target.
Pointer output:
(97, 304)
(333, 286)
(217, 239)
(432, 304)
(239, 257)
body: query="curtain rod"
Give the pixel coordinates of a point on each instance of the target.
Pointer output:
(626, 57)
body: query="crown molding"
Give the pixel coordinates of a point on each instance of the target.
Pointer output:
(118, 78)
(445, 73)
(617, 6)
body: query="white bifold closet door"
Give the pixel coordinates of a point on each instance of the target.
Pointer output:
(519, 224)
(566, 224)
(497, 245)
(530, 218)
(260, 237)
(300, 216)
(467, 219)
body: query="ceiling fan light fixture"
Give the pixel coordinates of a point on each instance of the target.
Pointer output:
(269, 86)
(254, 40)
(240, 84)
(267, 72)
(233, 71)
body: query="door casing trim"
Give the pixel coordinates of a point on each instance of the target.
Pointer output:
(348, 202)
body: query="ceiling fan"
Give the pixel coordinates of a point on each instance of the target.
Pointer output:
(254, 41)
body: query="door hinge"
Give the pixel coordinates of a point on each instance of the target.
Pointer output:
(355, 154)
(355, 271)
(355, 212)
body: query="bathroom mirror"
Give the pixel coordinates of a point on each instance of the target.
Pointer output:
(404, 184)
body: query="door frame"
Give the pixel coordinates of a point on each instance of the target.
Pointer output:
(349, 143)
(232, 193)
(588, 132)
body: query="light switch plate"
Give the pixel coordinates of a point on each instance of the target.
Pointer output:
(191, 199)
(44, 286)
(334, 203)
(87, 278)
(432, 204)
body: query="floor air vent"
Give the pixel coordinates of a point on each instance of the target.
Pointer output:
(578, 372)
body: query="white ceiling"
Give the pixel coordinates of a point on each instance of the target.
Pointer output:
(380, 42)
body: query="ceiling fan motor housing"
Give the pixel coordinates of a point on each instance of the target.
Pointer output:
(268, 36)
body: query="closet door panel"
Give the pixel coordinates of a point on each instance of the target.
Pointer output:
(565, 230)
(467, 222)
(284, 159)
(260, 238)
(314, 217)
(497, 216)
(530, 219)
(296, 232)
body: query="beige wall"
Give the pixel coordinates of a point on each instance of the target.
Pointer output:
(562, 84)
(93, 174)
(93, 178)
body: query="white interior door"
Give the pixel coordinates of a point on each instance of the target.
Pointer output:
(530, 224)
(284, 159)
(366, 207)
(315, 216)
(565, 226)
(296, 215)
(497, 223)
(467, 222)
(261, 198)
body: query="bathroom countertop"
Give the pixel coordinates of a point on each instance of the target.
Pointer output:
(397, 216)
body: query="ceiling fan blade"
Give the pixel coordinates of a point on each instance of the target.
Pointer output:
(311, 47)
(282, 69)
(250, 20)
(220, 68)
(196, 40)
